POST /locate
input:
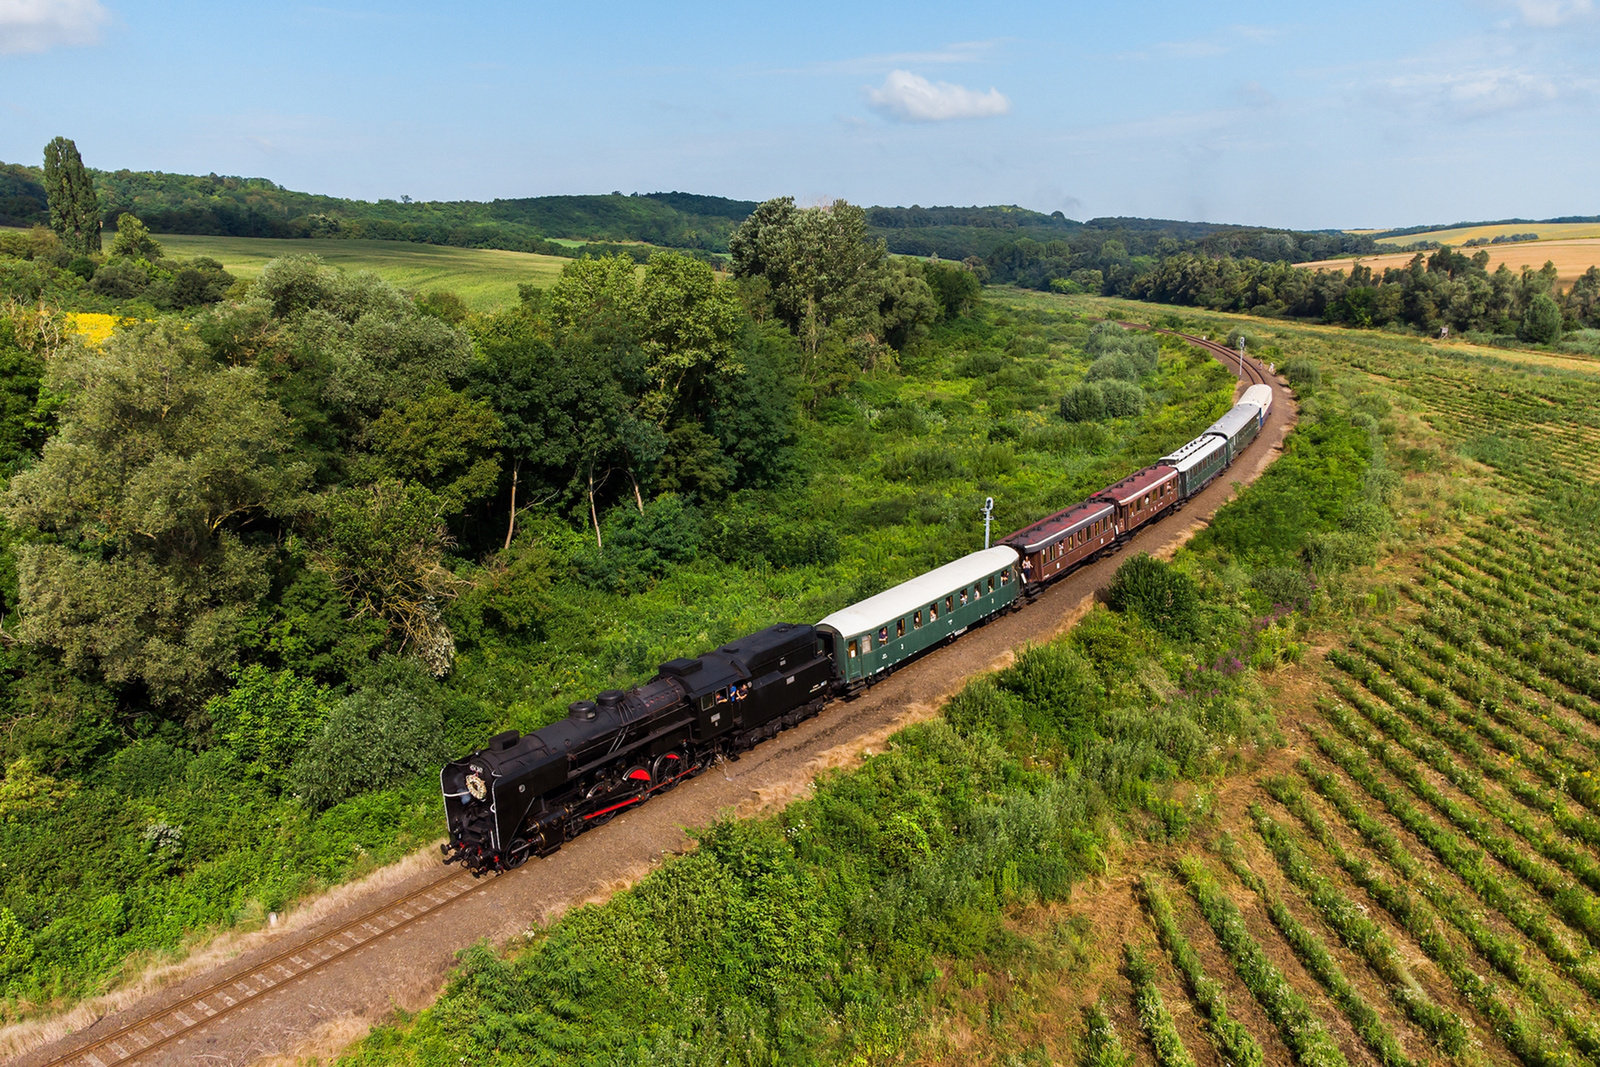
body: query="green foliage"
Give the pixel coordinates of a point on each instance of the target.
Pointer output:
(1541, 322)
(1122, 399)
(1303, 374)
(1085, 402)
(74, 206)
(1153, 1014)
(24, 788)
(134, 240)
(1232, 1039)
(162, 459)
(383, 547)
(1159, 594)
(267, 719)
(1100, 1045)
(441, 440)
(1302, 1031)
(387, 731)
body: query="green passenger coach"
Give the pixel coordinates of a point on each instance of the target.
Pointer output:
(872, 638)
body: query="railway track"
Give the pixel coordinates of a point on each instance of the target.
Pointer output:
(130, 1043)
(163, 1027)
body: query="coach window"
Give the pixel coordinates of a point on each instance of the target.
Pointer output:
(916, 621)
(866, 643)
(1005, 576)
(900, 628)
(950, 603)
(852, 648)
(991, 583)
(933, 612)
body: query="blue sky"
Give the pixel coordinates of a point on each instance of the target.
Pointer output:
(1309, 115)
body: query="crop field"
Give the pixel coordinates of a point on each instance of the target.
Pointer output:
(1571, 257)
(1547, 231)
(484, 278)
(1414, 877)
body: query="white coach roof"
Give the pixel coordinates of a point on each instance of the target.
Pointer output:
(891, 604)
(1260, 396)
(1194, 453)
(1236, 420)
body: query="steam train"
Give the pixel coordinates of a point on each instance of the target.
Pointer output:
(526, 794)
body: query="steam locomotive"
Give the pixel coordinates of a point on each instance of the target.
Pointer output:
(523, 795)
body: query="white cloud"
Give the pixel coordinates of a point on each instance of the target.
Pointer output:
(1550, 13)
(1478, 93)
(912, 98)
(40, 25)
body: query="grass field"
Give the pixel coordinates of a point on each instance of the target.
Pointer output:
(484, 278)
(1547, 231)
(1571, 257)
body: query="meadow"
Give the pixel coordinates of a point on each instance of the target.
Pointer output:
(483, 278)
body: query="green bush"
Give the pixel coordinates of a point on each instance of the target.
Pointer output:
(920, 466)
(994, 461)
(1115, 367)
(1122, 399)
(1304, 375)
(1162, 596)
(373, 738)
(1085, 402)
(1541, 323)
(267, 719)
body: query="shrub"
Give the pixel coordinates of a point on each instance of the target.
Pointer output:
(1083, 403)
(1114, 366)
(978, 364)
(1122, 399)
(995, 460)
(920, 466)
(1303, 374)
(385, 732)
(1287, 586)
(1541, 323)
(267, 719)
(1160, 595)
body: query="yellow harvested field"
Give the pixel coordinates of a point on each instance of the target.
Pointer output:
(1571, 258)
(1547, 231)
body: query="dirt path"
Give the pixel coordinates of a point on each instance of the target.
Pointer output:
(326, 1010)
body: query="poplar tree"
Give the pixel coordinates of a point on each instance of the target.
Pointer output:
(74, 207)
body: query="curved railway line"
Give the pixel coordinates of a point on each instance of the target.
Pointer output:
(160, 1027)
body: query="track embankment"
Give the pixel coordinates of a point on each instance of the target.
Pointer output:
(314, 990)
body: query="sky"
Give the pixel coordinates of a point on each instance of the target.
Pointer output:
(1307, 115)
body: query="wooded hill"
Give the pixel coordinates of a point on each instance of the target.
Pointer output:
(257, 207)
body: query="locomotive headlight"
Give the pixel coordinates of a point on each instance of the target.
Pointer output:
(476, 787)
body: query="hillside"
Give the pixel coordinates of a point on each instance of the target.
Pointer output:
(551, 225)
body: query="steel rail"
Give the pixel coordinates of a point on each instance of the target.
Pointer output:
(130, 1042)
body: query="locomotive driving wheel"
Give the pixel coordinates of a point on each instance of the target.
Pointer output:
(667, 768)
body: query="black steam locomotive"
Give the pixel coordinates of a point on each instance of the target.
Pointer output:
(524, 795)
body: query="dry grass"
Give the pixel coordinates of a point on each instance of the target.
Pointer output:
(1547, 231)
(1571, 257)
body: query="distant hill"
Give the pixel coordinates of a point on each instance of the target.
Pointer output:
(225, 206)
